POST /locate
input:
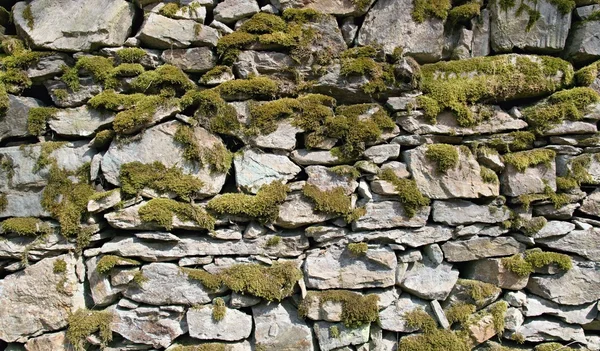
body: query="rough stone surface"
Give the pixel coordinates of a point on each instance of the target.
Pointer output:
(14, 123)
(457, 212)
(194, 60)
(491, 270)
(159, 32)
(347, 336)
(230, 11)
(80, 121)
(389, 214)
(392, 317)
(477, 248)
(155, 326)
(583, 44)
(235, 325)
(538, 330)
(278, 327)
(297, 211)
(428, 281)
(575, 287)
(532, 180)
(254, 169)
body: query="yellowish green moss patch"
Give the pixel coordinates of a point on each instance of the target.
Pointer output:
(523, 265)
(410, 196)
(108, 262)
(358, 249)
(59, 266)
(526, 159)
(218, 309)
(444, 155)
(131, 55)
(84, 323)
(357, 309)
(333, 201)
(27, 226)
(162, 211)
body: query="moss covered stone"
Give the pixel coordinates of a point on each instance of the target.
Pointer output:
(432, 338)
(162, 211)
(358, 249)
(131, 55)
(113, 101)
(523, 265)
(262, 23)
(444, 155)
(135, 176)
(108, 262)
(218, 309)
(478, 291)
(258, 87)
(215, 73)
(264, 206)
(423, 9)
(357, 309)
(142, 112)
(273, 241)
(222, 116)
(217, 157)
(489, 176)
(552, 346)
(523, 160)
(38, 118)
(558, 200)
(464, 12)
(3, 202)
(60, 266)
(410, 196)
(84, 323)
(27, 226)
(273, 283)
(380, 74)
(100, 68)
(519, 140)
(103, 139)
(204, 347)
(164, 77)
(587, 75)
(128, 70)
(333, 201)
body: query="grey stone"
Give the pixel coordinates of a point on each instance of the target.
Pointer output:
(306, 158)
(14, 121)
(572, 127)
(477, 248)
(333, 7)
(439, 314)
(194, 60)
(109, 201)
(292, 244)
(389, 214)
(532, 180)
(241, 301)
(413, 237)
(149, 325)
(581, 242)
(491, 270)
(48, 66)
(577, 286)
(31, 304)
(434, 253)
(226, 234)
(550, 212)
(591, 204)
(463, 293)
(235, 325)
(158, 144)
(539, 330)
(297, 211)
(548, 34)
(251, 62)
(102, 292)
(167, 285)
(583, 44)
(457, 212)
(390, 24)
(585, 11)
(393, 318)
(553, 229)
(52, 341)
(327, 179)
(582, 314)
(23, 204)
(480, 45)
(80, 121)
(283, 138)
(337, 267)
(464, 181)
(82, 32)
(195, 11)
(230, 11)
(254, 168)
(159, 32)
(88, 88)
(278, 327)
(347, 336)
(17, 246)
(516, 298)
(325, 233)
(349, 30)
(428, 281)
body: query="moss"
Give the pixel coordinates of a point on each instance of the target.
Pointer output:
(368, 51)
(357, 309)
(27, 226)
(139, 278)
(518, 338)
(229, 45)
(552, 346)
(273, 283)
(587, 75)
(131, 55)
(465, 12)
(28, 16)
(37, 119)
(520, 140)
(100, 68)
(262, 23)
(334, 332)
(498, 310)
(70, 76)
(488, 176)
(128, 70)
(564, 6)
(135, 176)
(423, 9)
(218, 157)
(525, 159)
(254, 87)
(410, 196)
(60, 94)
(162, 211)
(15, 80)
(444, 155)
(164, 77)
(456, 84)
(102, 139)
(478, 291)
(460, 312)
(523, 265)
(380, 74)
(60, 266)
(533, 225)
(4, 100)
(358, 249)
(215, 73)
(566, 183)
(333, 201)
(126, 122)
(3, 202)
(170, 9)
(346, 171)
(264, 206)
(222, 116)
(301, 15)
(558, 200)
(273, 241)
(204, 347)
(84, 323)
(218, 309)
(578, 171)
(108, 262)
(18, 56)
(113, 101)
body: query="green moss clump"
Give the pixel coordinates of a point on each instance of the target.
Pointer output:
(170, 9)
(60, 266)
(334, 332)
(139, 278)
(84, 323)
(103, 138)
(214, 73)
(464, 12)
(444, 155)
(478, 291)
(164, 77)
(346, 171)
(358, 249)
(380, 75)
(264, 206)
(135, 176)
(357, 309)
(460, 312)
(333, 201)
(108, 262)
(488, 176)
(27, 226)
(523, 265)
(128, 121)
(498, 310)
(255, 87)
(453, 85)
(273, 283)
(4, 100)
(520, 140)
(131, 55)
(229, 45)
(28, 16)
(204, 347)
(566, 183)
(128, 70)
(273, 241)
(585, 76)
(3, 202)
(162, 211)
(70, 76)
(301, 15)
(525, 159)
(558, 200)
(60, 94)
(262, 23)
(578, 171)
(433, 338)
(18, 56)
(361, 51)
(222, 116)
(218, 157)
(564, 6)
(410, 196)
(15, 80)
(563, 105)
(113, 101)
(37, 119)
(423, 9)
(100, 68)
(218, 309)
(552, 346)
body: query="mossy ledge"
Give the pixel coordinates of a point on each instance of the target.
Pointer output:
(26, 226)
(410, 196)
(83, 323)
(108, 262)
(523, 265)
(523, 160)
(333, 201)
(357, 309)
(162, 211)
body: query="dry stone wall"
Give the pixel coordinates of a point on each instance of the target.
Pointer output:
(356, 175)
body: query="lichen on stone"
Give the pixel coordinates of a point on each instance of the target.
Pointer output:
(410, 196)
(108, 262)
(357, 309)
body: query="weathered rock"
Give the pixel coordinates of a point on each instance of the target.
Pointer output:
(583, 314)
(337, 267)
(292, 244)
(15, 246)
(477, 248)
(464, 181)
(347, 336)
(14, 122)
(129, 219)
(591, 204)
(581, 242)
(235, 325)
(109, 201)
(458, 212)
(428, 281)
(80, 121)
(547, 34)
(349, 30)
(48, 66)
(283, 138)
(37, 300)
(327, 179)
(550, 212)
(88, 88)
(194, 60)
(463, 293)
(336, 7)
(492, 271)
(52, 341)
(393, 317)
(390, 24)
(254, 168)
(156, 326)
(553, 229)
(159, 32)
(381, 153)
(306, 157)
(577, 286)
(83, 31)
(532, 180)
(480, 45)
(166, 285)
(297, 211)
(251, 62)
(230, 11)
(102, 292)
(389, 214)
(194, 11)
(157, 144)
(572, 127)
(513, 319)
(416, 123)
(23, 204)
(278, 327)
(583, 45)
(412, 237)
(538, 330)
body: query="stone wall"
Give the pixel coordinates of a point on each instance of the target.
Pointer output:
(299, 175)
